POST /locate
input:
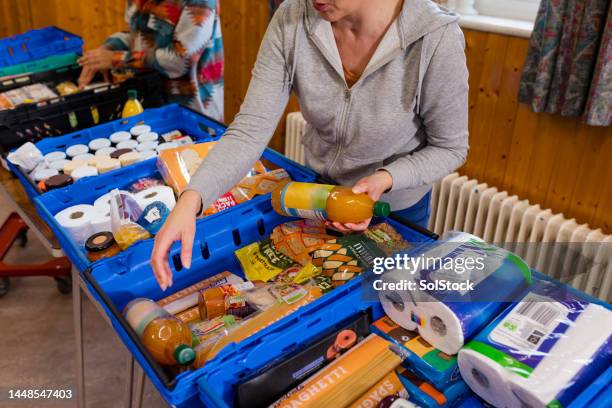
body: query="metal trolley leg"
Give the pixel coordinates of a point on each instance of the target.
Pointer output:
(140, 383)
(130, 382)
(77, 306)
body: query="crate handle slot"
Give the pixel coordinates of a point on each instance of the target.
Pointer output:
(204, 250)
(236, 236)
(176, 260)
(261, 227)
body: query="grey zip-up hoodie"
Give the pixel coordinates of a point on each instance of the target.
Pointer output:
(407, 114)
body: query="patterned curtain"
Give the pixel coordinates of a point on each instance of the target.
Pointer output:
(569, 64)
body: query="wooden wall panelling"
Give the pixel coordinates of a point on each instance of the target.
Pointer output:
(486, 101)
(15, 17)
(505, 113)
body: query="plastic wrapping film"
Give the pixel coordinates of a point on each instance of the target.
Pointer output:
(447, 319)
(541, 351)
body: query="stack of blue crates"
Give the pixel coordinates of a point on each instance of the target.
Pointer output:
(29, 49)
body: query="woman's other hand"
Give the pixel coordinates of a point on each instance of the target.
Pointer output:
(180, 226)
(374, 186)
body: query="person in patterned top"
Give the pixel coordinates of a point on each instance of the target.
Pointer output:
(181, 39)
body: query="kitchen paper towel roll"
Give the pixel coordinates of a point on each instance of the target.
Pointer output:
(164, 194)
(102, 204)
(541, 351)
(448, 318)
(76, 220)
(101, 222)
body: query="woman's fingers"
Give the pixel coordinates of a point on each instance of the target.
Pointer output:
(159, 259)
(86, 77)
(187, 246)
(360, 226)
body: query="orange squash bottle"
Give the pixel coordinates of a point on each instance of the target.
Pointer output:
(326, 202)
(167, 338)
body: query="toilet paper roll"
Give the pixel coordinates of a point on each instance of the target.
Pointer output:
(101, 222)
(82, 172)
(105, 151)
(148, 137)
(447, 319)
(129, 158)
(166, 145)
(72, 165)
(147, 154)
(43, 174)
(118, 137)
(77, 149)
(140, 129)
(100, 143)
(542, 350)
(486, 380)
(147, 145)
(163, 194)
(54, 156)
(105, 165)
(86, 157)
(76, 220)
(127, 144)
(58, 164)
(102, 204)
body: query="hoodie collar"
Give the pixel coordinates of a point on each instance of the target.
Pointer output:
(416, 19)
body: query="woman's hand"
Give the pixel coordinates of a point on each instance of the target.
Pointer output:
(374, 186)
(180, 226)
(98, 60)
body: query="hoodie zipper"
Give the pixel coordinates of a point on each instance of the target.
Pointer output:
(344, 115)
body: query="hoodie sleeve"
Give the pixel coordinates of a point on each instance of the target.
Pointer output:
(253, 127)
(444, 113)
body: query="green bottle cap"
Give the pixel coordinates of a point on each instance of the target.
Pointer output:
(184, 355)
(132, 94)
(382, 209)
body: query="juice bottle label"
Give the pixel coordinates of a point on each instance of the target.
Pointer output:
(305, 200)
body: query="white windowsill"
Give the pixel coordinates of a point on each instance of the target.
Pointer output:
(516, 28)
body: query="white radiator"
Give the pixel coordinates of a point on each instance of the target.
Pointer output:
(293, 137)
(549, 243)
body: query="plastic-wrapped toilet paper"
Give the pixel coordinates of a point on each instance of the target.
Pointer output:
(76, 220)
(447, 319)
(102, 203)
(163, 194)
(541, 351)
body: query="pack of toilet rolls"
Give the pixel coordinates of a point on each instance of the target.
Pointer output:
(448, 318)
(541, 351)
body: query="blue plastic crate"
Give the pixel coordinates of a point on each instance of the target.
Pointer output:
(38, 44)
(596, 395)
(87, 190)
(120, 279)
(164, 119)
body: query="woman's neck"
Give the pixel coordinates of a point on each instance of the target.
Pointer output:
(371, 19)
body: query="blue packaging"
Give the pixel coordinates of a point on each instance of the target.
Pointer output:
(426, 395)
(541, 351)
(453, 289)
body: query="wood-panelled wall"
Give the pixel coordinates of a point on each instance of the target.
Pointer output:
(557, 162)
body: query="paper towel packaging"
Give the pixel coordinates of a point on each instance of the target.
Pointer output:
(541, 351)
(447, 319)
(423, 359)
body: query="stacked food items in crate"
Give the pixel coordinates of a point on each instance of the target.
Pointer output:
(299, 262)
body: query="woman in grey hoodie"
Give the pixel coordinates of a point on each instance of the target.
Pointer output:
(383, 86)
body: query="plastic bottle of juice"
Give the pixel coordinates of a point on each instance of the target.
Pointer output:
(167, 338)
(326, 202)
(132, 106)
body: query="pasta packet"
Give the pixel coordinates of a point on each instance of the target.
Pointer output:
(298, 239)
(125, 212)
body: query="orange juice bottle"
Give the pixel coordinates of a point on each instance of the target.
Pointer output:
(132, 106)
(326, 202)
(167, 338)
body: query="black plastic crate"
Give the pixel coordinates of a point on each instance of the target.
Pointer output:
(57, 116)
